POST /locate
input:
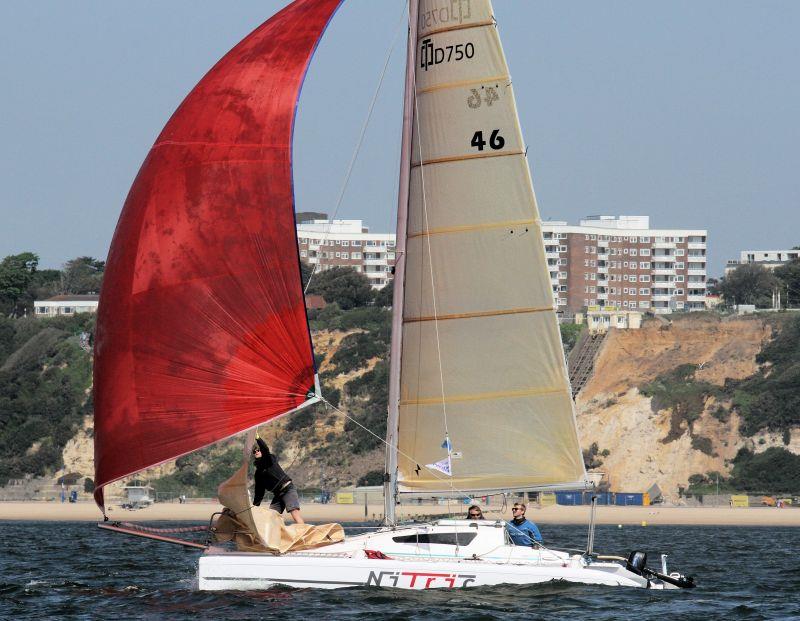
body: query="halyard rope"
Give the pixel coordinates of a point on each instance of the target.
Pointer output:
(357, 149)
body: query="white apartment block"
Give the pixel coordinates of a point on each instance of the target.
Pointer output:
(347, 243)
(620, 262)
(769, 259)
(66, 305)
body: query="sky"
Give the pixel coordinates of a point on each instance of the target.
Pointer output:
(684, 111)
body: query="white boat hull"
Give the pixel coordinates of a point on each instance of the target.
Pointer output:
(416, 557)
(258, 572)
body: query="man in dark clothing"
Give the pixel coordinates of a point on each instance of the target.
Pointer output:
(270, 477)
(522, 532)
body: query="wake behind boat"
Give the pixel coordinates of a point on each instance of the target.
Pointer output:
(202, 328)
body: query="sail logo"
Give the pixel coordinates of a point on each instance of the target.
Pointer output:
(454, 11)
(419, 579)
(431, 55)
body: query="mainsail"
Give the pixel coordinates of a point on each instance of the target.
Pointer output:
(483, 389)
(202, 329)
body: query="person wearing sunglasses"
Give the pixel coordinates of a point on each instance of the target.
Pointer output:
(475, 513)
(523, 532)
(269, 476)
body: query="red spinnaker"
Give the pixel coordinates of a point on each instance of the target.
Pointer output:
(202, 328)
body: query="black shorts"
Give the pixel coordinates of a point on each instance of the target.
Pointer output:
(285, 500)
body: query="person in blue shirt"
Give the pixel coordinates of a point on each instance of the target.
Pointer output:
(522, 532)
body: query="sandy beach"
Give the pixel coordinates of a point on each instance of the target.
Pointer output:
(318, 513)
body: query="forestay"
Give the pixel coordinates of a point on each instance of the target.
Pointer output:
(482, 360)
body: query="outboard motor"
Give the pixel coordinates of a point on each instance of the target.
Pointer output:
(637, 561)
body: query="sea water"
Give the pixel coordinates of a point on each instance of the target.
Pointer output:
(65, 570)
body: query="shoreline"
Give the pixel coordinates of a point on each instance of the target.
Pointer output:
(33, 511)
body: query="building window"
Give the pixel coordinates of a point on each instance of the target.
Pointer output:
(644, 278)
(562, 248)
(679, 252)
(345, 242)
(345, 255)
(678, 291)
(562, 288)
(593, 263)
(644, 265)
(645, 252)
(586, 263)
(644, 291)
(303, 253)
(679, 278)
(644, 304)
(562, 261)
(355, 242)
(562, 274)
(634, 252)
(679, 266)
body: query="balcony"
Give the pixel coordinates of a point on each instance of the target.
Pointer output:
(664, 245)
(696, 298)
(662, 258)
(696, 245)
(663, 284)
(551, 255)
(696, 272)
(660, 297)
(602, 257)
(661, 271)
(375, 262)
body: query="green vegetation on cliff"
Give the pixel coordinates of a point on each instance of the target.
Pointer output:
(44, 381)
(770, 399)
(774, 471)
(767, 400)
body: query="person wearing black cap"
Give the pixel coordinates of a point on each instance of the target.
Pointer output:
(269, 476)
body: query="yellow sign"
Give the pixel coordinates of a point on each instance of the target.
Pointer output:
(344, 498)
(547, 499)
(739, 500)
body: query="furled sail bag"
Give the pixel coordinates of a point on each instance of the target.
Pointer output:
(260, 529)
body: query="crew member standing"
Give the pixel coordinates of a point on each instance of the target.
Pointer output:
(270, 477)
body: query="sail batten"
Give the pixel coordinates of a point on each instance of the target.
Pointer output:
(483, 384)
(202, 330)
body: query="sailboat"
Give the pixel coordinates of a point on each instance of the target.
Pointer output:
(202, 330)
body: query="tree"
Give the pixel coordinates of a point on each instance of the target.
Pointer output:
(749, 284)
(16, 275)
(789, 275)
(305, 272)
(344, 286)
(83, 275)
(383, 297)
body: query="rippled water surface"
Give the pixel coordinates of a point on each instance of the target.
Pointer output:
(76, 571)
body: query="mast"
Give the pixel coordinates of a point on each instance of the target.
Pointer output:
(390, 476)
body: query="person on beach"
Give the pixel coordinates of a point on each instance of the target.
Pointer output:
(475, 513)
(523, 532)
(269, 476)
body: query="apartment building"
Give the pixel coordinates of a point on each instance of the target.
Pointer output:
(769, 259)
(347, 243)
(620, 262)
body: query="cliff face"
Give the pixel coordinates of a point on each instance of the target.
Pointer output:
(646, 446)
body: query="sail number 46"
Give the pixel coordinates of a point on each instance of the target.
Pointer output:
(496, 141)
